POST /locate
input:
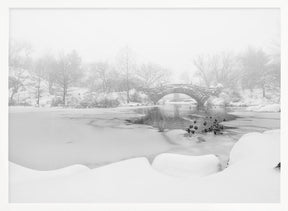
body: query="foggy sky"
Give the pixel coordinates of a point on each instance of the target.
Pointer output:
(170, 38)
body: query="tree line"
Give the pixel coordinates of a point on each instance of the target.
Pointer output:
(67, 70)
(251, 69)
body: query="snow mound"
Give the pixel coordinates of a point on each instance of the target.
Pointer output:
(176, 135)
(21, 174)
(256, 148)
(186, 166)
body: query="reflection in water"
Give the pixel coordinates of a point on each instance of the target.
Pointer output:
(183, 116)
(180, 116)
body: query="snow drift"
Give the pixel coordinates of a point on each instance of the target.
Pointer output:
(250, 177)
(185, 165)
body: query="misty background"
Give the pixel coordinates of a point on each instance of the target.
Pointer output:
(57, 54)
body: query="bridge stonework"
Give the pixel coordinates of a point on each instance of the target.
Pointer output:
(198, 93)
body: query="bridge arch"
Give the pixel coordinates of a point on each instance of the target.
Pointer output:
(200, 94)
(156, 97)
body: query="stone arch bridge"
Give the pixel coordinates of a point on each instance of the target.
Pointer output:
(198, 93)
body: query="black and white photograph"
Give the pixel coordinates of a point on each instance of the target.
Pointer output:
(144, 105)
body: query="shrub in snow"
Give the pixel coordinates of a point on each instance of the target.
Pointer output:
(107, 103)
(12, 102)
(99, 100)
(135, 97)
(278, 166)
(215, 101)
(156, 118)
(222, 99)
(226, 97)
(57, 101)
(255, 98)
(206, 125)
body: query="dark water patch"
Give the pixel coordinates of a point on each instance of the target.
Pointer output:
(158, 119)
(182, 117)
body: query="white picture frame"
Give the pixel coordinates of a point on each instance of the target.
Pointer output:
(4, 35)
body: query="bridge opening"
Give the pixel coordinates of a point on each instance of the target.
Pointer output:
(175, 98)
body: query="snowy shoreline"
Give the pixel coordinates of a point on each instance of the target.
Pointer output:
(250, 163)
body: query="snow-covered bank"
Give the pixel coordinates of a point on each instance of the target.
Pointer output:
(250, 177)
(265, 108)
(253, 100)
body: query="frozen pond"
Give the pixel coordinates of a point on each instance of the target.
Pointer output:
(49, 138)
(236, 121)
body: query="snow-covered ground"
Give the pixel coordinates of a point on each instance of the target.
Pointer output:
(250, 177)
(265, 108)
(254, 101)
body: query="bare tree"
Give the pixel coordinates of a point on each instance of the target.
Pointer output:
(68, 72)
(275, 66)
(19, 64)
(38, 70)
(225, 67)
(220, 68)
(15, 84)
(19, 55)
(152, 75)
(127, 67)
(203, 66)
(49, 65)
(44, 68)
(255, 71)
(275, 52)
(101, 76)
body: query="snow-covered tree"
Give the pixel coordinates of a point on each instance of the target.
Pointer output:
(19, 63)
(216, 69)
(69, 71)
(255, 69)
(42, 70)
(127, 67)
(101, 77)
(152, 75)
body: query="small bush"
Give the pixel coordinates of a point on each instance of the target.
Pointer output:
(25, 104)
(12, 102)
(57, 101)
(73, 102)
(108, 103)
(91, 102)
(22, 103)
(135, 97)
